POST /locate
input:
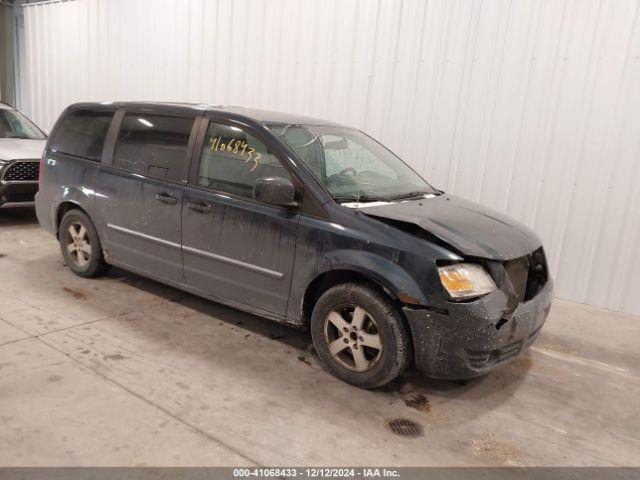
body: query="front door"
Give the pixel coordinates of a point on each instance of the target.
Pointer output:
(140, 194)
(234, 247)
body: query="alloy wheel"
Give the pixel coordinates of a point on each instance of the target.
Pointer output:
(353, 338)
(78, 244)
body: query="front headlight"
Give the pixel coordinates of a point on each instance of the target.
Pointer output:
(464, 280)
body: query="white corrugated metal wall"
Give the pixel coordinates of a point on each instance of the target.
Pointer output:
(6, 52)
(529, 107)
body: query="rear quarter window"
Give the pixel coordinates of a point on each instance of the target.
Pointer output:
(82, 133)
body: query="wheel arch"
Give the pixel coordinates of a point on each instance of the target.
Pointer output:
(331, 278)
(63, 208)
(401, 291)
(343, 265)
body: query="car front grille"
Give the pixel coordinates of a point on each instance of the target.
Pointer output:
(22, 171)
(528, 274)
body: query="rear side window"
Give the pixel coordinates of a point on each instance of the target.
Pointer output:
(153, 145)
(82, 133)
(232, 160)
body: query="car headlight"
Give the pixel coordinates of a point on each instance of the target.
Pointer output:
(464, 280)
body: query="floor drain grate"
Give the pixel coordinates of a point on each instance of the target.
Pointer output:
(405, 428)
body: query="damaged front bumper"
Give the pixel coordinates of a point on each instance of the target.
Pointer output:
(470, 339)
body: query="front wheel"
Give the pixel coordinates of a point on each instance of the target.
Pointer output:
(359, 335)
(80, 245)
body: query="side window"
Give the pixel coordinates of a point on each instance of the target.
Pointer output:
(82, 133)
(153, 145)
(232, 160)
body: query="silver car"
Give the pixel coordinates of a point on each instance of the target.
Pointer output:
(21, 147)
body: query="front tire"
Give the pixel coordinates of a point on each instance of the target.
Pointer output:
(80, 245)
(359, 335)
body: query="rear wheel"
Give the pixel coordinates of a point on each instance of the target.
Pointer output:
(359, 335)
(80, 245)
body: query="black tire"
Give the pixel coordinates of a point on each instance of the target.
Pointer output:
(95, 264)
(382, 319)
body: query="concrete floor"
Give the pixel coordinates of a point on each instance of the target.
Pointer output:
(125, 371)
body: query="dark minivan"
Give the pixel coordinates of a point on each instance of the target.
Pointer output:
(303, 221)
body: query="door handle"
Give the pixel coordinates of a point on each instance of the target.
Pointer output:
(200, 207)
(166, 198)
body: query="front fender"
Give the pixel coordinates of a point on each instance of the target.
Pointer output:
(379, 269)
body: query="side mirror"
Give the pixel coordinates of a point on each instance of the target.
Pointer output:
(275, 191)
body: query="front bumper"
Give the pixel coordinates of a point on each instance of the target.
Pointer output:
(18, 194)
(472, 338)
(18, 183)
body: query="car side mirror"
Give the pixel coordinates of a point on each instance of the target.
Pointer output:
(275, 191)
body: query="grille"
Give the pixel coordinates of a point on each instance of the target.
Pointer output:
(538, 274)
(518, 271)
(22, 172)
(528, 274)
(405, 428)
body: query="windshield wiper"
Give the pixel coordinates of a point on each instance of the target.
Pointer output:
(416, 194)
(361, 198)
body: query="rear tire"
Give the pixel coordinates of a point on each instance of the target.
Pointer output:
(359, 335)
(80, 245)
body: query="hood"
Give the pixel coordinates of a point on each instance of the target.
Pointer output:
(21, 149)
(470, 228)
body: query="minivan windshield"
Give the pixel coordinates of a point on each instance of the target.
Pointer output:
(14, 124)
(351, 165)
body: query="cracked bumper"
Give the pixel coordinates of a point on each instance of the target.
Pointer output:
(475, 337)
